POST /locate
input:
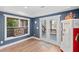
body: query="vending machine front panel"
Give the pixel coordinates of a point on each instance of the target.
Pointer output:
(76, 40)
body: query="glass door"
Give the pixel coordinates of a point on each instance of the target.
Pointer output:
(50, 29)
(43, 30)
(54, 31)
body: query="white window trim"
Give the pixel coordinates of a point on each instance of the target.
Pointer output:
(5, 27)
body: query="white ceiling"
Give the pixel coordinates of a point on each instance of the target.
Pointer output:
(35, 11)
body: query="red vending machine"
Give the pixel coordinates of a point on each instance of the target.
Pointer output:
(70, 35)
(76, 39)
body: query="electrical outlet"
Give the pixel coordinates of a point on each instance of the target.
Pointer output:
(36, 27)
(1, 42)
(35, 22)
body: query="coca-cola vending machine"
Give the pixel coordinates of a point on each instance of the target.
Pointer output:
(70, 35)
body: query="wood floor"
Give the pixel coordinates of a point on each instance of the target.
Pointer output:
(32, 45)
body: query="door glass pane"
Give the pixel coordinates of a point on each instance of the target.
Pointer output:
(53, 30)
(44, 29)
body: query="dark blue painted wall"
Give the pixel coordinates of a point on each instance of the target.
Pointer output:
(63, 14)
(2, 19)
(34, 30)
(33, 27)
(14, 40)
(1, 28)
(76, 12)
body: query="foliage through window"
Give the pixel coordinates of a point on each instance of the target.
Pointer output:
(16, 27)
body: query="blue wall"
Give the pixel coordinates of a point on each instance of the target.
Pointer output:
(2, 28)
(2, 19)
(76, 12)
(34, 30)
(63, 14)
(33, 27)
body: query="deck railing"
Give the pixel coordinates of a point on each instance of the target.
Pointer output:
(16, 31)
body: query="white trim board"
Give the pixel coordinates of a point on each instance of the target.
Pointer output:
(36, 38)
(1, 47)
(5, 25)
(48, 19)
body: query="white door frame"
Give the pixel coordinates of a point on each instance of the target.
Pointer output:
(58, 27)
(58, 42)
(41, 19)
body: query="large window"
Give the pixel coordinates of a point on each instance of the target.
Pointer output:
(24, 25)
(16, 27)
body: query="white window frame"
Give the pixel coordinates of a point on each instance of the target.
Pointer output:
(5, 27)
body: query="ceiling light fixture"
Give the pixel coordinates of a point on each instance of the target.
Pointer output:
(43, 6)
(25, 7)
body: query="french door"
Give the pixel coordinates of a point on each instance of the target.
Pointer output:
(50, 29)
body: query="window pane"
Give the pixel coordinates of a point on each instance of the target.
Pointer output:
(24, 25)
(16, 27)
(12, 24)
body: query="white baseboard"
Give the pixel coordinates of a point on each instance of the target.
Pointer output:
(4, 46)
(36, 38)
